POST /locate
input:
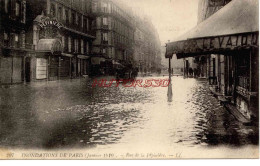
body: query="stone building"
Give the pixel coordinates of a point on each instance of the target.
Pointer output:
(60, 31)
(147, 54)
(48, 39)
(114, 36)
(13, 47)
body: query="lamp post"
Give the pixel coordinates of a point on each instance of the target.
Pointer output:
(169, 93)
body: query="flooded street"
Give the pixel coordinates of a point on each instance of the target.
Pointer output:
(72, 114)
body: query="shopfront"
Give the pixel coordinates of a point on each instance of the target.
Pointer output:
(11, 66)
(229, 42)
(48, 60)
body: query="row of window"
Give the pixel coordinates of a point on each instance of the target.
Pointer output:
(122, 29)
(119, 27)
(14, 40)
(106, 7)
(118, 38)
(75, 45)
(16, 8)
(69, 16)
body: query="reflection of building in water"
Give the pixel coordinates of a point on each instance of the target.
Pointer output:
(226, 52)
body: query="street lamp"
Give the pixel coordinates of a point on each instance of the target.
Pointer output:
(169, 93)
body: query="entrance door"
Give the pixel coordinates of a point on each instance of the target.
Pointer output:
(27, 69)
(64, 67)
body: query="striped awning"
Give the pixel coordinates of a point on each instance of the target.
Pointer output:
(233, 27)
(49, 45)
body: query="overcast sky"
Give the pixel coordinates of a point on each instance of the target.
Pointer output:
(171, 18)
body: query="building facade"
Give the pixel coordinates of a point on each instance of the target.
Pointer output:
(114, 36)
(233, 74)
(49, 39)
(62, 37)
(206, 8)
(147, 49)
(226, 46)
(13, 47)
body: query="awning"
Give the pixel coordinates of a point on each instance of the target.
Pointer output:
(83, 57)
(49, 45)
(234, 26)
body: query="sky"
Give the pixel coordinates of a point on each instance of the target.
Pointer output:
(171, 18)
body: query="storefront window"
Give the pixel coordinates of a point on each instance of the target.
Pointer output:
(243, 70)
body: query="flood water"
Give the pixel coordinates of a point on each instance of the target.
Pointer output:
(72, 114)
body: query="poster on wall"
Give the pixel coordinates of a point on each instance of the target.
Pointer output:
(41, 68)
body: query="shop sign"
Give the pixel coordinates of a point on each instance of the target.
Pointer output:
(51, 22)
(209, 44)
(47, 21)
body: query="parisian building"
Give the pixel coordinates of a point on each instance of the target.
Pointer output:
(114, 41)
(147, 52)
(13, 47)
(48, 39)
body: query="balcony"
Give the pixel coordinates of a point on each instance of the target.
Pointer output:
(18, 46)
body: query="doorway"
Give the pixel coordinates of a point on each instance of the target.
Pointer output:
(28, 69)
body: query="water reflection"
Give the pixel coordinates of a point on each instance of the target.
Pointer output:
(73, 114)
